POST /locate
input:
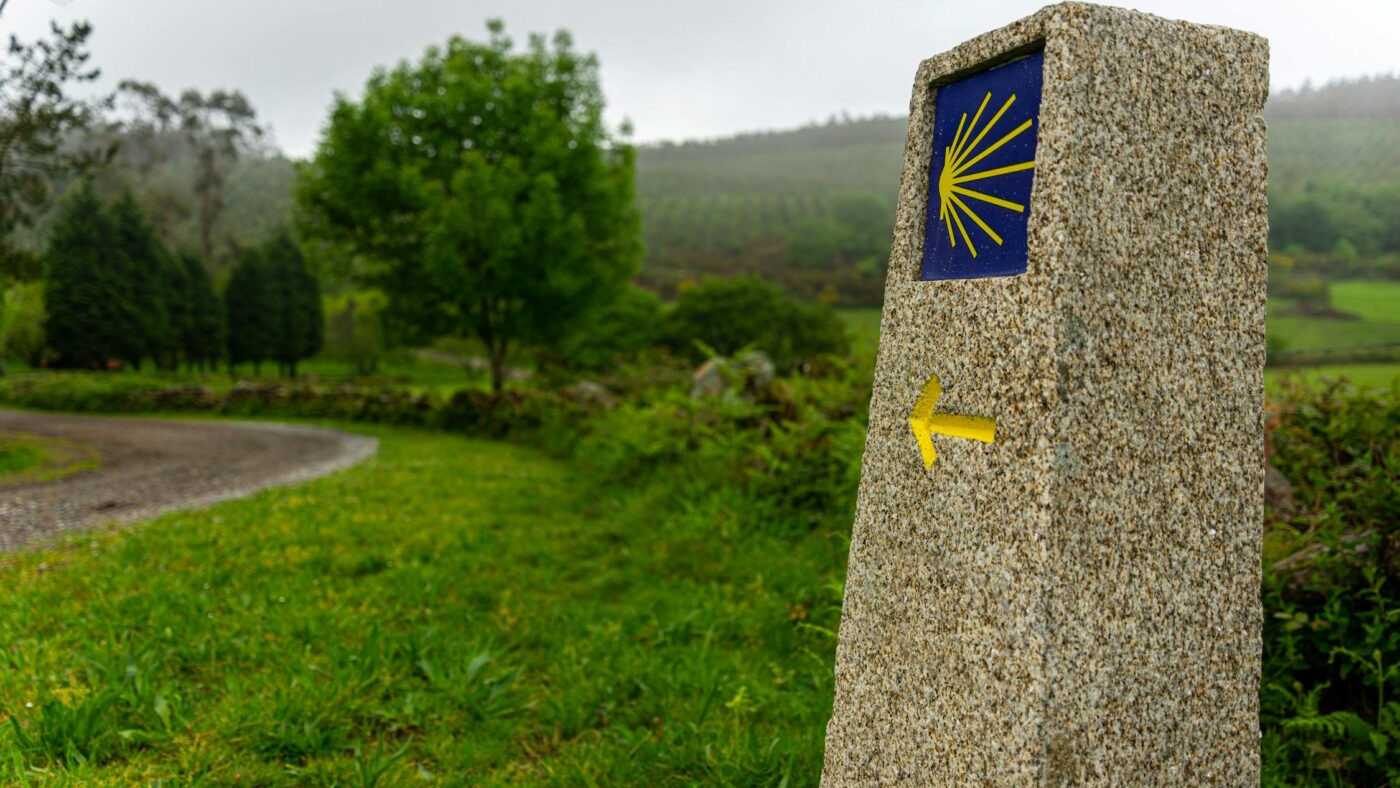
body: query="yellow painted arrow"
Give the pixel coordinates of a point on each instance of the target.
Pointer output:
(925, 422)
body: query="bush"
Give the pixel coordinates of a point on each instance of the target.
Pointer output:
(727, 315)
(1331, 599)
(353, 331)
(614, 331)
(765, 467)
(22, 322)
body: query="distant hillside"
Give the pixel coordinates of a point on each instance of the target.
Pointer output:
(772, 203)
(1346, 132)
(810, 208)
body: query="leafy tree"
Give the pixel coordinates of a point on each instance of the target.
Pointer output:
(36, 115)
(218, 127)
(353, 333)
(484, 188)
(22, 323)
(617, 329)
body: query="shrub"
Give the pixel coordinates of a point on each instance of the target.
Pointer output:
(1331, 599)
(727, 315)
(614, 331)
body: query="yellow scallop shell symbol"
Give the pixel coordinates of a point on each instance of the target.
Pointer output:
(958, 161)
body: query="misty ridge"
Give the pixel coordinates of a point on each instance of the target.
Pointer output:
(811, 208)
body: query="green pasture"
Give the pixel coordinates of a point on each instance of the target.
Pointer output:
(1375, 302)
(1375, 305)
(1364, 376)
(453, 612)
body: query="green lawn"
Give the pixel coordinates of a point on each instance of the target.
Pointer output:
(401, 369)
(452, 612)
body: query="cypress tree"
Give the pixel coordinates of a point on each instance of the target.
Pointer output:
(249, 307)
(296, 314)
(202, 341)
(142, 289)
(80, 315)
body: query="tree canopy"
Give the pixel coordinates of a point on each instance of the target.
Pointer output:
(35, 116)
(483, 189)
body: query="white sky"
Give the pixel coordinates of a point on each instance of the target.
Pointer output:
(678, 70)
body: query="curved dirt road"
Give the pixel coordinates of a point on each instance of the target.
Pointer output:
(149, 466)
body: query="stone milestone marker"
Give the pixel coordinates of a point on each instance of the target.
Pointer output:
(1054, 572)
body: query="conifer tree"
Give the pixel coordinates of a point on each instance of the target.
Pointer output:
(249, 306)
(144, 287)
(273, 305)
(202, 340)
(81, 315)
(296, 313)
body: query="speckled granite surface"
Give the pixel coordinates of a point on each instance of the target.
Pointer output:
(1078, 603)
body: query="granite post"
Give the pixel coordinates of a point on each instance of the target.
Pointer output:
(1055, 567)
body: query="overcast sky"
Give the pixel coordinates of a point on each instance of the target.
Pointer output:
(678, 70)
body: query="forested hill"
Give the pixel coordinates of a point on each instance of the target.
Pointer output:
(811, 208)
(1347, 132)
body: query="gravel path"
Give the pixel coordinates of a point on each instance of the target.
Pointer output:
(149, 466)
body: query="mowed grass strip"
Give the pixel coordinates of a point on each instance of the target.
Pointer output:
(18, 456)
(452, 612)
(25, 457)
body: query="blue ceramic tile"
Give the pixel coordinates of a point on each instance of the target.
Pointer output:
(979, 199)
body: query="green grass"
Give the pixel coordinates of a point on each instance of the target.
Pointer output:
(1371, 376)
(1376, 306)
(18, 457)
(450, 613)
(1303, 333)
(25, 457)
(401, 370)
(1377, 302)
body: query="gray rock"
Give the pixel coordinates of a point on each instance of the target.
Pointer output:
(711, 379)
(592, 393)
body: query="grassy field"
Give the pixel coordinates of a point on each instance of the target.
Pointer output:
(1376, 306)
(450, 613)
(1369, 376)
(1376, 302)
